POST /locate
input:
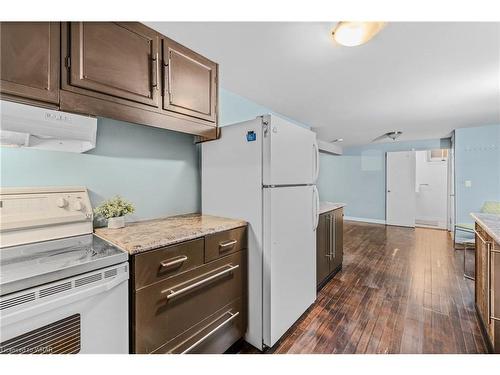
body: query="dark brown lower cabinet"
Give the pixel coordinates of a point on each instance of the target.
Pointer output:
(184, 302)
(487, 287)
(329, 245)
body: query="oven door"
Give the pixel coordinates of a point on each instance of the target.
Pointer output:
(83, 314)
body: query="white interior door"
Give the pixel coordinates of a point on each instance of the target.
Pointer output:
(290, 153)
(289, 257)
(400, 188)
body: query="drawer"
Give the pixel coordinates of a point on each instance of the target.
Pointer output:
(167, 262)
(168, 308)
(213, 335)
(223, 243)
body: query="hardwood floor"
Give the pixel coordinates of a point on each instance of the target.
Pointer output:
(400, 291)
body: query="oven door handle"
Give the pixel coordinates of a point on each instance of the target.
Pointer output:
(50, 303)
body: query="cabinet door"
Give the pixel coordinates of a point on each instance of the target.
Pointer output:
(190, 82)
(339, 238)
(322, 248)
(29, 64)
(481, 286)
(117, 59)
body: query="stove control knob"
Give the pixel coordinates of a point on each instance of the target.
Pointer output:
(61, 202)
(78, 206)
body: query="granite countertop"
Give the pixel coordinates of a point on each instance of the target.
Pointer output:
(147, 235)
(325, 206)
(490, 223)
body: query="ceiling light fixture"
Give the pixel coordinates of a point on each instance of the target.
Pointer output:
(337, 140)
(352, 34)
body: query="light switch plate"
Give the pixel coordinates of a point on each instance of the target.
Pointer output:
(468, 183)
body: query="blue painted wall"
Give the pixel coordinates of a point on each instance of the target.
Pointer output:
(156, 169)
(357, 177)
(477, 158)
(235, 108)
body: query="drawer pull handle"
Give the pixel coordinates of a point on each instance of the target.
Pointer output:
(174, 293)
(225, 322)
(226, 245)
(170, 263)
(489, 250)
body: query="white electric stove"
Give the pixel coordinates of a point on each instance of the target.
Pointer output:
(62, 289)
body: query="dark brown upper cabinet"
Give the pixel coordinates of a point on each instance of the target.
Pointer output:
(116, 59)
(119, 70)
(29, 60)
(189, 82)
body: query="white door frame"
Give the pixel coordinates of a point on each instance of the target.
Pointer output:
(451, 188)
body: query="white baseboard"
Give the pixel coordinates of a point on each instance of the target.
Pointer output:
(364, 220)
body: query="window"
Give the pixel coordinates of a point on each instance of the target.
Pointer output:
(437, 155)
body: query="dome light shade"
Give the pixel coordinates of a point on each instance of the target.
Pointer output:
(352, 34)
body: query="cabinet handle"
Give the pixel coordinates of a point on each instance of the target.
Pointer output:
(232, 316)
(490, 251)
(331, 236)
(226, 245)
(169, 263)
(328, 253)
(166, 82)
(488, 283)
(166, 89)
(174, 293)
(154, 71)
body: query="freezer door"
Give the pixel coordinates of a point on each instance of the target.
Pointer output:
(289, 257)
(290, 153)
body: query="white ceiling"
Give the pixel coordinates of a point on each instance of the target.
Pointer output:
(424, 79)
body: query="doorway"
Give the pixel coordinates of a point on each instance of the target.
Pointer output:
(400, 192)
(417, 188)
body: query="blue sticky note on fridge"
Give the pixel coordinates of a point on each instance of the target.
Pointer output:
(251, 136)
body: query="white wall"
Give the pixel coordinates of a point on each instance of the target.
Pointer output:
(431, 191)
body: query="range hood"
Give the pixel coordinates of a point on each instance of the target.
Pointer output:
(45, 129)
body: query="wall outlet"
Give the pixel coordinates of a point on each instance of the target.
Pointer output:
(468, 183)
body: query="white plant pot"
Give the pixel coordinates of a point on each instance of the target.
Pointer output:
(116, 222)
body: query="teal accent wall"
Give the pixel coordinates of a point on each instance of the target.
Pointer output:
(357, 177)
(477, 159)
(156, 169)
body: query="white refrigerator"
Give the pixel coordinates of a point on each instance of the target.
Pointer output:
(264, 171)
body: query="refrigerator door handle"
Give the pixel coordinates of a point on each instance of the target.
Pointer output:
(316, 208)
(316, 161)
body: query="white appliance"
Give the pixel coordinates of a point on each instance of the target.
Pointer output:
(62, 289)
(46, 129)
(264, 171)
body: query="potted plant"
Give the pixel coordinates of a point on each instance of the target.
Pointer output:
(114, 210)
